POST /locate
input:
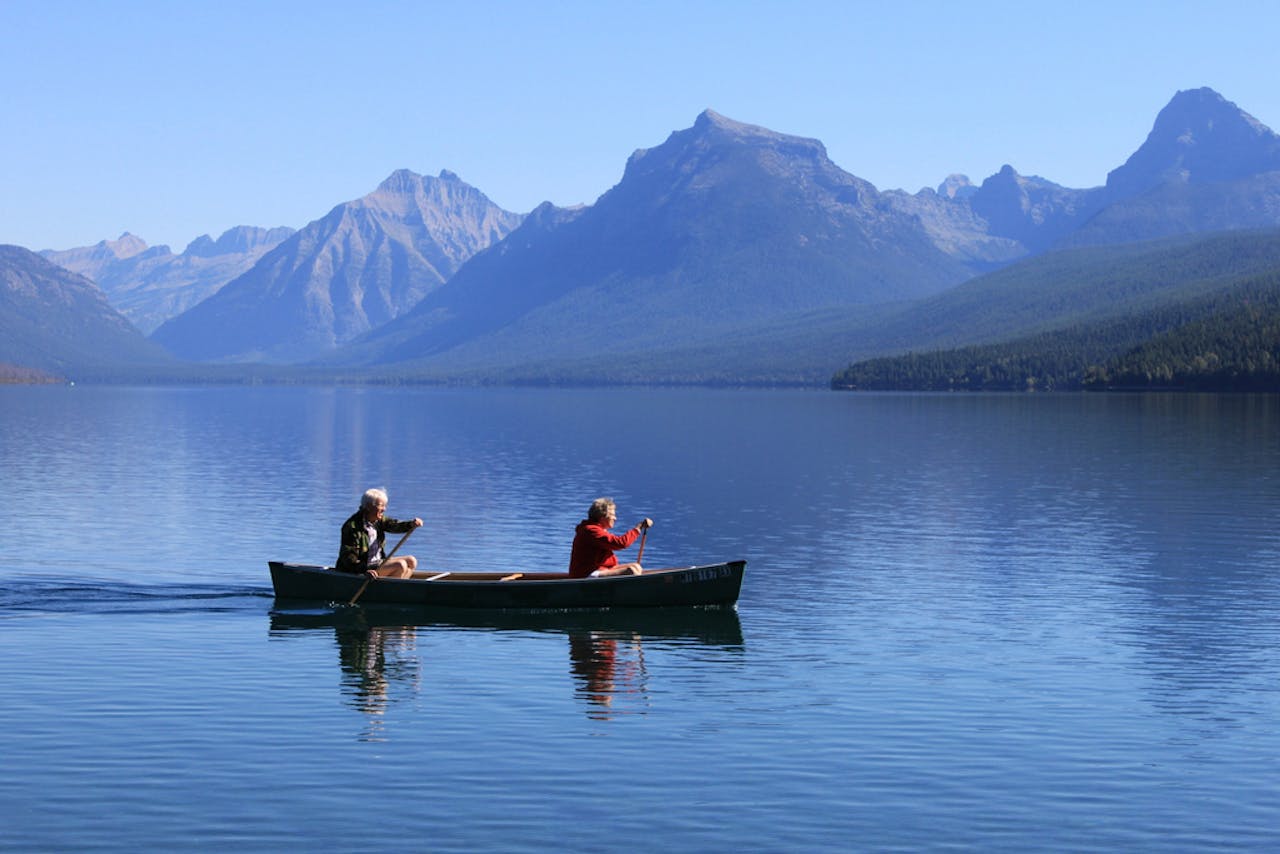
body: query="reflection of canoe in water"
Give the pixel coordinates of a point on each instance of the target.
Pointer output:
(716, 625)
(713, 584)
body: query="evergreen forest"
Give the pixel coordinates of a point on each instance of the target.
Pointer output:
(1227, 340)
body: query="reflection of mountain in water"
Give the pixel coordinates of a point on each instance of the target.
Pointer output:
(377, 646)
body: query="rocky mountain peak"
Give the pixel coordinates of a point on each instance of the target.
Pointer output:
(712, 128)
(125, 246)
(957, 186)
(364, 263)
(717, 151)
(1199, 137)
(547, 215)
(400, 181)
(404, 191)
(709, 121)
(93, 261)
(1006, 175)
(238, 240)
(1032, 210)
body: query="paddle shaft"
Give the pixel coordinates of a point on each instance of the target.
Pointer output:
(369, 578)
(640, 555)
(399, 544)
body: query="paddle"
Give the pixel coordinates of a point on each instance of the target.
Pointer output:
(644, 532)
(369, 578)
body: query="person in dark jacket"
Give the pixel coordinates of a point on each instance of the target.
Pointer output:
(594, 545)
(364, 536)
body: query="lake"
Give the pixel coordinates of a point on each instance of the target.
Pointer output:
(976, 622)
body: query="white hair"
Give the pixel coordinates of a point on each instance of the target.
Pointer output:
(373, 496)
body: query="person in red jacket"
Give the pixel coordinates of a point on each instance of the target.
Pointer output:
(594, 545)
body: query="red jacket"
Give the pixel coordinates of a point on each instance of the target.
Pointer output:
(593, 548)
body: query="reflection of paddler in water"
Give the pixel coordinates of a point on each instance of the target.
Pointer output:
(363, 656)
(595, 664)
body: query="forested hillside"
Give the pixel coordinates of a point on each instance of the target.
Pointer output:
(1228, 340)
(1235, 348)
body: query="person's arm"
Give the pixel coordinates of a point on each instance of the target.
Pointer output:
(395, 526)
(621, 541)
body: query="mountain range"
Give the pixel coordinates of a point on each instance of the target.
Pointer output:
(718, 227)
(729, 253)
(357, 268)
(149, 284)
(729, 242)
(56, 321)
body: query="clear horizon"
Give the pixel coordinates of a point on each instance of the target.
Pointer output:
(172, 121)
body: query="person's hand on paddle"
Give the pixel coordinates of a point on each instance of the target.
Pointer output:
(645, 524)
(417, 523)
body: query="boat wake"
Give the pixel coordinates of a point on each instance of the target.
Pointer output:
(95, 597)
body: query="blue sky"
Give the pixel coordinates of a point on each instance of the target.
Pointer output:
(175, 119)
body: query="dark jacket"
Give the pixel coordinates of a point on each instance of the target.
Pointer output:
(353, 554)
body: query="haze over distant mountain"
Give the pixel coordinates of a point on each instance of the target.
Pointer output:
(60, 322)
(1008, 217)
(721, 226)
(728, 230)
(729, 253)
(1207, 165)
(357, 268)
(149, 285)
(1198, 138)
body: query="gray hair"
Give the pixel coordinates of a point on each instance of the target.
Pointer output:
(373, 496)
(600, 508)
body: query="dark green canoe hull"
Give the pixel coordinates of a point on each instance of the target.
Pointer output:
(713, 584)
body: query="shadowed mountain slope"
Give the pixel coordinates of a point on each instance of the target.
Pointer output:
(723, 226)
(57, 321)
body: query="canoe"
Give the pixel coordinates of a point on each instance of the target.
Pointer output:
(712, 584)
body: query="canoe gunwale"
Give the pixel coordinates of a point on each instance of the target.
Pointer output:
(709, 584)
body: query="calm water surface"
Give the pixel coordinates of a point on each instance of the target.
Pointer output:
(975, 622)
